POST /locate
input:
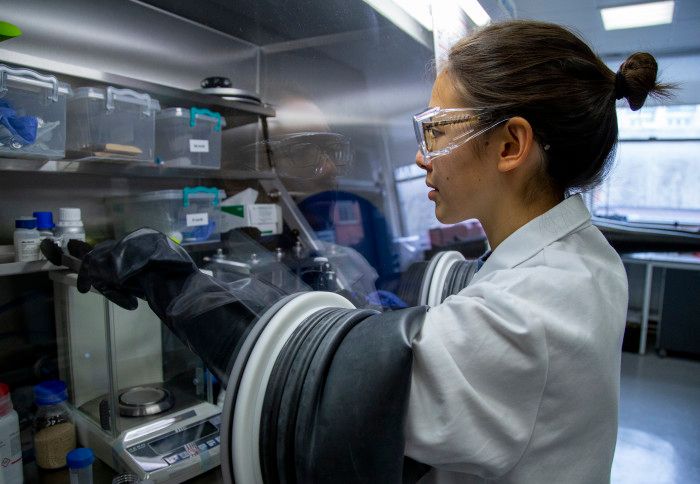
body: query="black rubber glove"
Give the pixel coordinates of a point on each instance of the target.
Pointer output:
(142, 263)
(210, 317)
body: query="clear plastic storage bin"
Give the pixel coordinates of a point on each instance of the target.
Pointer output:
(187, 215)
(32, 114)
(111, 123)
(189, 137)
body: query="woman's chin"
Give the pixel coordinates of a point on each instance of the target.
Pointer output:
(447, 217)
(443, 216)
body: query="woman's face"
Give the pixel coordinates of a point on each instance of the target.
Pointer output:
(463, 184)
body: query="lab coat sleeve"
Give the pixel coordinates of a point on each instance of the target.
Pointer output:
(479, 371)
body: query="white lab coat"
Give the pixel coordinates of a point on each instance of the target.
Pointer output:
(516, 378)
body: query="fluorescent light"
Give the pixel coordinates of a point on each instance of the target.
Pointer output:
(406, 18)
(419, 10)
(638, 15)
(475, 11)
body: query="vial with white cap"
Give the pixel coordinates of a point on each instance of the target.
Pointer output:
(80, 465)
(69, 225)
(10, 446)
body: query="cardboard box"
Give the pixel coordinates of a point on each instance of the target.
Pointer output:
(266, 217)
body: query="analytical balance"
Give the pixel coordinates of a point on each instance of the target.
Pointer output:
(143, 401)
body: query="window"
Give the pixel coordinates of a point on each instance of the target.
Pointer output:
(655, 177)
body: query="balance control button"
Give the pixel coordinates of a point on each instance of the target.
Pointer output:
(184, 455)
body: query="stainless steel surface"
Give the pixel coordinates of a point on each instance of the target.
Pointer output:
(129, 39)
(15, 268)
(126, 168)
(227, 92)
(145, 400)
(233, 110)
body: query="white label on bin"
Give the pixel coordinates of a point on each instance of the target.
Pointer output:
(199, 146)
(197, 219)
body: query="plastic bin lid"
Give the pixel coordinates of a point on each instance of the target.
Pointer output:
(185, 113)
(166, 195)
(23, 78)
(120, 95)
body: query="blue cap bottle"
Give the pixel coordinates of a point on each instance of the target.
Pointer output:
(80, 465)
(44, 220)
(50, 392)
(25, 223)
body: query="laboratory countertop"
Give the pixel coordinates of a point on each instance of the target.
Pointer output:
(102, 474)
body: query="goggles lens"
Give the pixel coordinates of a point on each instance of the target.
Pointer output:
(439, 131)
(308, 155)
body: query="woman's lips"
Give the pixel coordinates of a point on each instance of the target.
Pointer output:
(432, 193)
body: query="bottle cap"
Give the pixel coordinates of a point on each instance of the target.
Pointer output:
(69, 217)
(50, 392)
(44, 220)
(79, 458)
(5, 401)
(25, 223)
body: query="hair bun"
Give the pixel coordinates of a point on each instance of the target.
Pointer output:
(636, 79)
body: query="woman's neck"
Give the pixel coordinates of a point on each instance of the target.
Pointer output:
(510, 215)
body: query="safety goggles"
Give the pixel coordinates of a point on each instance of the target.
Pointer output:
(441, 130)
(309, 155)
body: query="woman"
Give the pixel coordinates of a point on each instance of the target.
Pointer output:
(516, 378)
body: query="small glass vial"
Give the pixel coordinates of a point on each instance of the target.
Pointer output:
(10, 446)
(54, 431)
(27, 240)
(80, 465)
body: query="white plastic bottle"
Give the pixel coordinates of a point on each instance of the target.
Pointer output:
(26, 240)
(10, 445)
(69, 225)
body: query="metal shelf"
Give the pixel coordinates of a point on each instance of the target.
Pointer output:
(237, 113)
(8, 267)
(127, 168)
(14, 268)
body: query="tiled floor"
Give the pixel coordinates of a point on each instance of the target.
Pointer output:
(659, 436)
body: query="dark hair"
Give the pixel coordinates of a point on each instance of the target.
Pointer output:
(549, 76)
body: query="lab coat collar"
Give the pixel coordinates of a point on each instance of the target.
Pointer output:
(568, 216)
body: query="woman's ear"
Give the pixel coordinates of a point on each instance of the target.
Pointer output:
(516, 143)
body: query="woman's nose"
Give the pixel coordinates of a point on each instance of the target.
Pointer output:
(326, 167)
(420, 161)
